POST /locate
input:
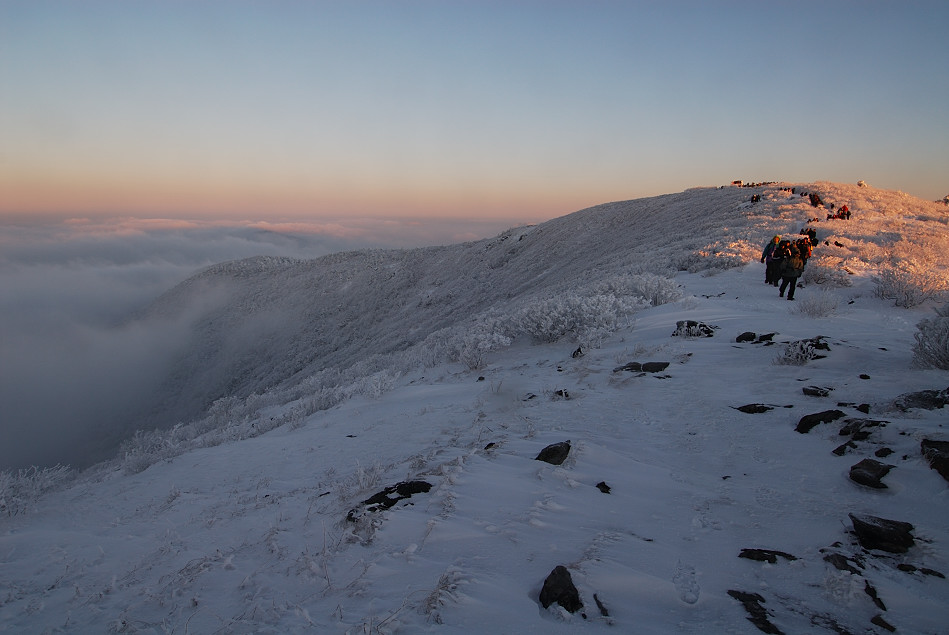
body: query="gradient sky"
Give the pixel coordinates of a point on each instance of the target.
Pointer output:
(479, 109)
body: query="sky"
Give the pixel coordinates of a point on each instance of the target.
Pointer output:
(511, 111)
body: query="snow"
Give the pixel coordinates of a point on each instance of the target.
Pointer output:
(252, 536)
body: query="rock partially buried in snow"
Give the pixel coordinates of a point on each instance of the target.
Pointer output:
(555, 453)
(869, 472)
(643, 367)
(809, 422)
(880, 533)
(691, 328)
(937, 453)
(765, 555)
(390, 496)
(924, 400)
(559, 588)
(757, 614)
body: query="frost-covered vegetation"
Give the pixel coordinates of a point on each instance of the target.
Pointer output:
(932, 341)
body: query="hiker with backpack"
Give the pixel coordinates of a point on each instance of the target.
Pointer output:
(791, 269)
(767, 255)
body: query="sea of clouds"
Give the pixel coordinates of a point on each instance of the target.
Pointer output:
(74, 359)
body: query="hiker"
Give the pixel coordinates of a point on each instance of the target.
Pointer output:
(778, 255)
(804, 248)
(766, 257)
(791, 269)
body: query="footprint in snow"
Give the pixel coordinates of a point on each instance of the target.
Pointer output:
(685, 584)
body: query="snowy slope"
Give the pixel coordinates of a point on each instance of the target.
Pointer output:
(255, 536)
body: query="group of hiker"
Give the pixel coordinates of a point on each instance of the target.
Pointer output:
(785, 261)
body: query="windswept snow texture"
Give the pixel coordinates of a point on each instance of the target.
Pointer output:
(268, 535)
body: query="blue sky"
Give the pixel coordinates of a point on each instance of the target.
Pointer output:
(508, 110)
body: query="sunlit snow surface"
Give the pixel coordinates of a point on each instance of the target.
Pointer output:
(253, 537)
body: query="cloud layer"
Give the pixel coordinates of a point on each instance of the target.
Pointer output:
(77, 368)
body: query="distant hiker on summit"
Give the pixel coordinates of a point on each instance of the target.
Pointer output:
(791, 269)
(767, 257)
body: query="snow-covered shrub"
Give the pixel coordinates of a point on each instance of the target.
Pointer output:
(20, 490)
(826, 271)
(817, 305)
(584, 317)
(800, 352)
(654, 289)
(931, 349)
(909, 283)
(478, 343)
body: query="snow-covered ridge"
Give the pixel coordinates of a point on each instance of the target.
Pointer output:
(261, 535)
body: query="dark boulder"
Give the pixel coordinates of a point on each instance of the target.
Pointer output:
(559, 588)
(816, 391)
(937, 453)
(869, 472)
(747, 336)
(603, 487)
(555, 453)
(880, 533)
(809, 422)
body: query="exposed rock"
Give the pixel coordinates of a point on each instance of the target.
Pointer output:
(600, 606)
(880, 533)
(747, 336)
(869, 472)
(932, 572)
(559, 588)
(603, 487)
(765, 555)
(924, 399)
(882, 623)
(655, 367)
(842, 449)
(555, 453)
(643, 367)
(857, 428)
(766, 337)
(817, 391)
(937, 453)
(883, 453)
(691, 328)
(808, 422)
(753, 408)
(390, 496)
(842, 563)
(757, 614)
(870, 590)
(577, 353)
